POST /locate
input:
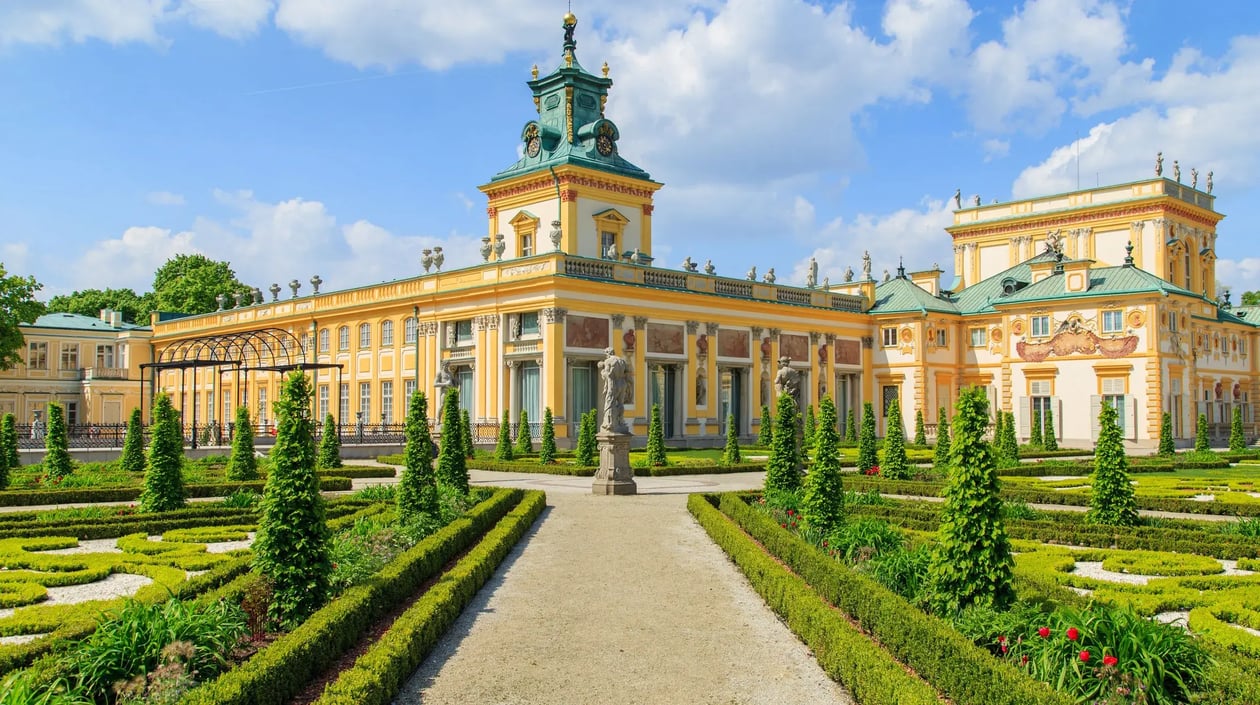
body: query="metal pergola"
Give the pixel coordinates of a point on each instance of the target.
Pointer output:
(262, 350)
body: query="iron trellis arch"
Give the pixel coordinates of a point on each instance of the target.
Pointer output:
(262, 350)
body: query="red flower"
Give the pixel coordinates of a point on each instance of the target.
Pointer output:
(1110, 660)
(1003, 649)
(1001, 640)
(1084, 656)
(1043, 632)
(1023, 660)
(1073, 634)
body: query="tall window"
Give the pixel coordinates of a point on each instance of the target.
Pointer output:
(1039, 392)
(1113, 394)
(888, 336)
(464, 332)
(37, 356)
(387, 401)
(464, 378)
(1112, 321)
(104, 355)
(942, 338)
(409, 331)
(890, 392)
(1039, 326)
(227, 406)
(343, 403)
(1186, 265)
(527, 245)
(387, 333)
(72, 414)
(69, 356)
(323, 403)
(323, 340)
(343, 338)
(608, 245)
(365, 400)
(409, 389)
(529, 390)
(262, 405)
(365, 336)
(529, 323)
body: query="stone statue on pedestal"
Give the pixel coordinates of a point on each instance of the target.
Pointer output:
(615, 476)
(444, 381)
(615, 372)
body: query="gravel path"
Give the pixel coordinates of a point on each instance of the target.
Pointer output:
(618, 600)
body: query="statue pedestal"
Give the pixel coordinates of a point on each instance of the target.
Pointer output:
(615, 476)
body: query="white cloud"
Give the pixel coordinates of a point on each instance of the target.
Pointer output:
(1239, 275)
(165, 198)
(996, 149)
(131, 260)
(231, 18)
(123, 21)
(14, 256)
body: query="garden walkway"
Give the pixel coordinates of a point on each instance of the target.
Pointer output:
(619, 600)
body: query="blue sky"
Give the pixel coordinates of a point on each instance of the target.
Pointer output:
(294, 137)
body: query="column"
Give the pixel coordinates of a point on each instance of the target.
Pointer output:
(555, 379)
(689, 377)
(714, 380)
(770, 365)
(642, 378)
(755, 397)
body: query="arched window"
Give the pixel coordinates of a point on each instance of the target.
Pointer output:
(365, 335)
(343, 338)
(323, 340)
(387, 333)
(409, 331)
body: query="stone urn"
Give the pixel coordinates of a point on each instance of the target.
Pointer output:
(426, 259)
(499, 246)
(438, 258)
(486, 249)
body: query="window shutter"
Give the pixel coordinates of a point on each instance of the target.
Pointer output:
(1025, 417)
(1056, 406)
(1095, 408)
(1113, 385)
(1130, 405)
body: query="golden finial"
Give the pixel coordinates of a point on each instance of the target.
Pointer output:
(570, 19)
(605, 69)
(534, 72)
(568, 59)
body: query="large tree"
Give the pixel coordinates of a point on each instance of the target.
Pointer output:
(89, 302)
(189, 283)
(17, 306)
(1251, 298)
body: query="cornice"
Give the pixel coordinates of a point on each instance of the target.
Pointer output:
(1061, 220)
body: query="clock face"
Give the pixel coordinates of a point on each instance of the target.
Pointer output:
(533, 146)
(604, 144)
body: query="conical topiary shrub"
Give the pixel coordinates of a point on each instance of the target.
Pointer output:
(1237, 441)
(1111, 499)
(9, 442)
(292, 548)
(823, 503)
(466, 434)
(524, 439)
(783, 469)
(765, 434)
(452, 471)
(731, 454)
(656, 440)
(164, 482)
(1167, 447)
(940, 454)
(972, 563)
(503, 449)
(868, 454)
(547, 451)
(1201, 442)
(850, 427)
(1049, 440)
(586, 451)
(920, 431)
(1035, 439)
(329, 445)
(417, 488)
(242, 466)
(132, 459)
(57, 461)
(896, 465)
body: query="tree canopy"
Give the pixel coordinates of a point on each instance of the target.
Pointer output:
(17, 306)
(1251, 298)
(189, 283)
(89, 302)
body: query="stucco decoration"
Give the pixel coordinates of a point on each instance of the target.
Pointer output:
(1017, 326)
(848, 352)
(1080, 341)
(665, 339)
(586, 332)
(794, 346)
(1137, 319)
(733, 343)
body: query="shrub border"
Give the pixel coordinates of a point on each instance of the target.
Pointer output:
(25, 498)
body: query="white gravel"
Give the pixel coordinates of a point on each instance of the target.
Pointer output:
(1203, 498)
(114, 585)
(225, 546)
(1173, 617)
(21, 638)
(87, 546)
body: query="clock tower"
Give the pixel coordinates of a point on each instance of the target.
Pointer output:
(571, 175)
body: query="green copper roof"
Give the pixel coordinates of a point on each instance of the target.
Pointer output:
(74, 321)
(1249, 314)
(979, 297)
(571, 127)
(900, 295)
(1103, 281)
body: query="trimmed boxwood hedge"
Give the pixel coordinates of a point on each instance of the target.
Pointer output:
(357, 471)
(848, 656)
(277, 673)
(27, 498)
(962, 671)
(670, 470)
(378, 675)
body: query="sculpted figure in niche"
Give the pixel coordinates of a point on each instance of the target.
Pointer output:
(787, 380)
(444, 381)
(615, 372)
(702, 386)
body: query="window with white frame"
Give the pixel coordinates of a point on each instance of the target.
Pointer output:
(387, 333)
(37, 356)
(464, 332)
(1039, 326)
(409, 390)
(527, 245)
(343, 403)
(323, 402)
(1039, 394)
(323, 340)
(365, 335)
(343, 338)
(69, 356)
(1112, 321)
(387, 401)
(1172, 322)
(409, 331)
(978, 337)
(529, 323)
(888, 336)
(262, 405)
(365, 400)
(105, 355)
(1113, 393)
(942, 338)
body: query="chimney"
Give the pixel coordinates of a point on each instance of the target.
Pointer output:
(105, 315)
(115, 319)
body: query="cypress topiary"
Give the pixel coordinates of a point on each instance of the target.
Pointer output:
(9, 442)
(417, 488)
(1201, 442)
(524, 440)
(972, 563)
(503, 449)
(920, 431)
(850, 428)
(1049, 442)
(1111, 499)
(242, 466)
(452, 469)
(730, 454)
(868, 455)
(586, 448)
(132, 459)
(940, 454)
(547, 453)
(1007, 446)
(466, 434)
(329, 445)
(1237, 441)
(5, 456)
(1035, 438)
(656, 439)
(896, 465)
(783, 470)
(1167, 447)
(823, 503)
(998, 419)
(57, 461)
(811, 427)
(292, 548)
(164, 482)
(765, 434)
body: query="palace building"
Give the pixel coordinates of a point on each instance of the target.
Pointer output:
(1059, 303)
